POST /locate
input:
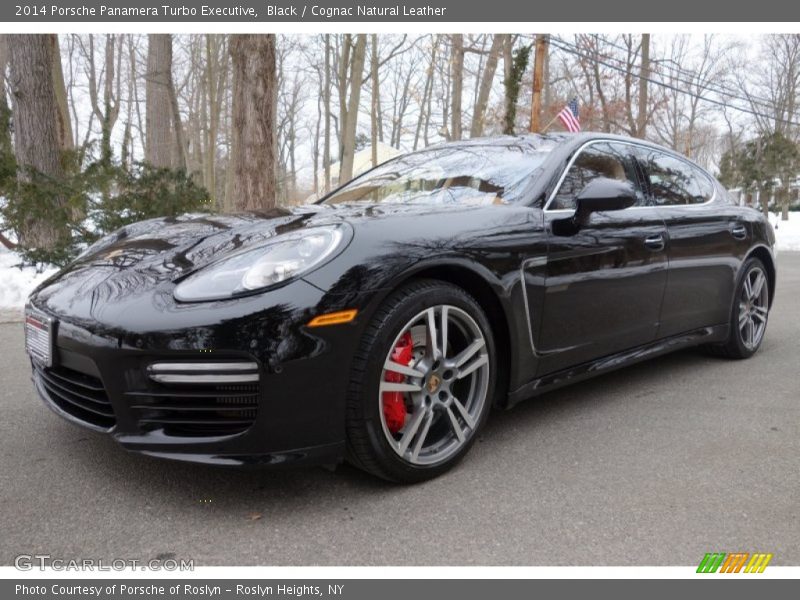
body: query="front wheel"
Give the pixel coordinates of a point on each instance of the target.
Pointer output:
(422, 383)
(749, 315)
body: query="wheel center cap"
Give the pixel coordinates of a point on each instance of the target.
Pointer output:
(433, 383)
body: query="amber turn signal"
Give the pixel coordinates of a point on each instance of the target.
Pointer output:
(334, 318)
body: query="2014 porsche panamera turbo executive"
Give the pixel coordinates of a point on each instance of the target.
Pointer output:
(381, 324)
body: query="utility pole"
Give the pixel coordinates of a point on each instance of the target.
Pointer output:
(538, 72)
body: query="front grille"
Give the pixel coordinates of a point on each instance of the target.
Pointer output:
(198, 399)
(77, 394)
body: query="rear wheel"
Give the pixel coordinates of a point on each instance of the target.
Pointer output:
(422, 383)
(749, 314)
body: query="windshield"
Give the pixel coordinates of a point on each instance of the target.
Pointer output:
(455, 174)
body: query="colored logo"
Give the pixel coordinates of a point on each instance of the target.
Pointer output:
(735, 562)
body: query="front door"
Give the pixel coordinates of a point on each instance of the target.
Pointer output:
(604, 284)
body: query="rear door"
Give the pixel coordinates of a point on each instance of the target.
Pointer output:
(604, 284)
(704, 240)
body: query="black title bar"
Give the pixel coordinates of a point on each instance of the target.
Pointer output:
(343, 11)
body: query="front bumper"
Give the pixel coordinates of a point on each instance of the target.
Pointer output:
(291, 410)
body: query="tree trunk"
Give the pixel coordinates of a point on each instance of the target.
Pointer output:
(108, 111)
(158, 113)
(39, 130)
(254, 145)
(508, 71)
(349, 128)
(457, 86)
(6, 147)
(211, 77)
(482, 101)
(179, 158)
(644, 75)
(326, 151)
(137, 106)
(376, 91)
(341, 85)
(598, 82)
(315, 143)
(425, 104)
(785, 204)
(65, 133)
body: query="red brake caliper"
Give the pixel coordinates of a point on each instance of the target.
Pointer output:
(394, 406)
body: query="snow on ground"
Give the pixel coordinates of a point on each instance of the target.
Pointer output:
(787, 233)
(15, 282)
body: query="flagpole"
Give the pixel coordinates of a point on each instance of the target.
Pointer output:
(546, 127)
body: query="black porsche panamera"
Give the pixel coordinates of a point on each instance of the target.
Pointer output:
(381, 324)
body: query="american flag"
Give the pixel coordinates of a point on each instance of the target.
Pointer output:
(569, 116)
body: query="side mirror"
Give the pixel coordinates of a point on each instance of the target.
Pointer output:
(603, 194)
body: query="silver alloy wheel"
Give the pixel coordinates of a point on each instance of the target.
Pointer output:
(445, 386)
(753, 308)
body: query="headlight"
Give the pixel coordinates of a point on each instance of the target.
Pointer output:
(283, 258)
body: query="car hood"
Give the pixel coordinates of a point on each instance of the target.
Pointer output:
(143, 257)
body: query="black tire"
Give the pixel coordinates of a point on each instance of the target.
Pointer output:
(368, 446)
(735, 347)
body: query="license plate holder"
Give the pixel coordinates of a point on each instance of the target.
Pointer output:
(39, 330)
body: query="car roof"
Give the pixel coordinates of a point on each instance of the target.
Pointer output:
(559, 137)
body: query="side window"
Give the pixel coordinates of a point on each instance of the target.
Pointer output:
(674, 181)
(598, 160)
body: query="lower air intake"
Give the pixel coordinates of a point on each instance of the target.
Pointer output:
(80, 395)
(192, 399)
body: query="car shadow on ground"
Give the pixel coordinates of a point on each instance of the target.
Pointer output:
(235, 488)
(643, 376)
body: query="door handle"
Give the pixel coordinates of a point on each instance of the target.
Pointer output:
(739, 232)
(655, 242)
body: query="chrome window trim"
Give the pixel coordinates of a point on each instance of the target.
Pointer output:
(585, 145)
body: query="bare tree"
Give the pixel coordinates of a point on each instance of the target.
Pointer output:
(291, 101)
(633, 50)
(486, 80)
(216, 58)
(254, 121)
(109, 79)
(351, 114)
(773, 89)
(690, 71)
(423, 121)
(594, 73)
